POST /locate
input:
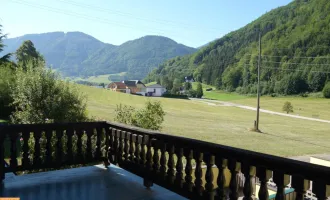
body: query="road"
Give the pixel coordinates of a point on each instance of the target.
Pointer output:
(224, 103)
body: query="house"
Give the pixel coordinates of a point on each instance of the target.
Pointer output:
(135, 86)
(155, 90)
(189, 79)
(119, 87)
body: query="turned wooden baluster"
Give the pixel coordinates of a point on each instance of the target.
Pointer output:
(137, 149)
(2, 156)
(263, 178)
(13, 150)
(198, 156)
(179, 168)
(59, 150)
(131, 147)
(281, 182)
(233, 185)
(209, 176)
(221, 180)
(36, 155)
(188, 185)
(147, 181)
(89, 155)
(298, 183)
(162, 169)
(111, 146)
(126, 136)
(69, 134)
(170, 165)
(320, 189)
(80, 157)
(106, 153)
(120, 147)
(26, 160)
(156, 164)
(98, 153)
(115, 146)
(143, 151)
(248, 183)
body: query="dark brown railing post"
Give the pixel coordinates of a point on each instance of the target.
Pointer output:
(320, 189)
(248, 183)
(179, 168)
(13, 150)
(162, 168)
(298, 184)
(2, 155)
(59, 148)
(278, 178)
(233, 185)
(198, 173)
(107, 153)
(221, 180)
(156, 164)
(89, 154)
(26, 150)
(69, 157)
(188, 185)
(36, 156)
(120, 147)
(126, 136)
(209, 161)
(79, 154)
(98, 153)
(147, 180)
(137, 149)
(142, 151)
(131, 147)
(170, 165)
(48, 160)
(263, 177)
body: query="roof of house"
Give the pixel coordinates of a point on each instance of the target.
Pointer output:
(155, 86)
(132, 83)
(120, 85)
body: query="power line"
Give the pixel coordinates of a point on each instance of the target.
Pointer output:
(325, 57)
(312, 71)
(87, 17)
(296, 63)
(133, 16)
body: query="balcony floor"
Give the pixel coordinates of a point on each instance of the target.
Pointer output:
(94, 182)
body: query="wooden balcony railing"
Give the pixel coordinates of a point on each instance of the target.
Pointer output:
(173, 162)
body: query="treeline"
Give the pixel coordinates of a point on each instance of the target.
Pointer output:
(31, 93)
(295, 53)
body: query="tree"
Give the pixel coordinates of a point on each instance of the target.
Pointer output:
(187, 86)
(150, 117)
(176, 86)
(28, 53)
(39, 96)
(6, 57)
(287, 107)
(326, 90)
(166, 83)
(199, 91)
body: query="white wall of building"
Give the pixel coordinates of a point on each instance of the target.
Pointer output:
(156, 92)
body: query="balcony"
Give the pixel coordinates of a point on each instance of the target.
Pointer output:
(62, 161)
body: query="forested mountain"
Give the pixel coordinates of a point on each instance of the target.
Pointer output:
(79, 54)
(295, 53)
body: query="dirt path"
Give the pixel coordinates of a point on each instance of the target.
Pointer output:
(224, 103)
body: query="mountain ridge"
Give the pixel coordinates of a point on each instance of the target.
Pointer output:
(79, 54)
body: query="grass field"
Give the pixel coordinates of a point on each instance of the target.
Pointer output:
(223, 125)
(100, 78)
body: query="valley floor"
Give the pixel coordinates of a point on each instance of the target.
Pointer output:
(227, 125)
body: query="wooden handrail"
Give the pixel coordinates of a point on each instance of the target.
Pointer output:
(182, 165)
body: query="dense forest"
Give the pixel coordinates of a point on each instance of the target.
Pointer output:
(79, 54)
(295, 57)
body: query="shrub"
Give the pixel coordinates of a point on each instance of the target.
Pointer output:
(199, 91)
(39, 96)
(326, 90)
(209, 89)
(287, 107)
(176, 96)
(192, 93)
(6, 78)
(150, 117)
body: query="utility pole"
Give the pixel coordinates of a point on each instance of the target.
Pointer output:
(258, 88)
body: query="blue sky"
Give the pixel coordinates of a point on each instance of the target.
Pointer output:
(190, 22)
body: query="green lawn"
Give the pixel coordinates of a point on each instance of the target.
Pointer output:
(223, 125)
(100, 78)
(151, 83)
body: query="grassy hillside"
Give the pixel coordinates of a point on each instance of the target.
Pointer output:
(295, 53)
(105, 78)
(222, 124)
